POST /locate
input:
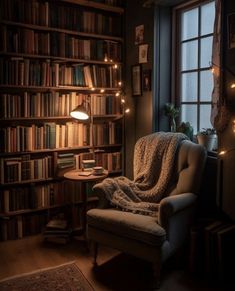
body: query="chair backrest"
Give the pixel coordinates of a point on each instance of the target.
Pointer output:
(189, 167)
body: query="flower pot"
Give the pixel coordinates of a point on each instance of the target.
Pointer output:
(208, 141)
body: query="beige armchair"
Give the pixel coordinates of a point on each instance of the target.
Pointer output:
(152, 238)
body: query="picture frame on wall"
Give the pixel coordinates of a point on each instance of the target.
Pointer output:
(231, 31)
(147, 80)
(139, 34)
(143, 53)
(136, 78)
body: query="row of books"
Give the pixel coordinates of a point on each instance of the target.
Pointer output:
(22, 225)
(57, 44)
(51, 135)
(24, 168)
(52, 104)
(60, 16)
(36, 73)
(39, 196)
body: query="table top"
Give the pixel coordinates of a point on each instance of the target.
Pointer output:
(74, 175)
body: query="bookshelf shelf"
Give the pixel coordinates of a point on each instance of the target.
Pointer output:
(57, 59)
(54, 55)
(67, 118)
(60, 30)
(80, 149)
(96, 5)
(58, 88)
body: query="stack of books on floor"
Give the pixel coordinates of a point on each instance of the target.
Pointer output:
(57, 230)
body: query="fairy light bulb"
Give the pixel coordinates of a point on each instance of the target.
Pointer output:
(232, 86)
(102, 90)
(221, 153)
(123, 101)
(117, 94)
(127, 110)
(92, 89)
(120, 83)
(115, 66)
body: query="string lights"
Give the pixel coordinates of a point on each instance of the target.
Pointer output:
(215, 71)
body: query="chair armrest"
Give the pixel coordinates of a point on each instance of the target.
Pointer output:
(98, 190)
(173, 204)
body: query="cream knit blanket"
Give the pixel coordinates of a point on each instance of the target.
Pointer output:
(154, 157)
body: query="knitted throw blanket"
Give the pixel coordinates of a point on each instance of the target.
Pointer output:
(154, 157)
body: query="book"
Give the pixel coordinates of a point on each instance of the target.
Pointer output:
(57, 224)
(84, 173)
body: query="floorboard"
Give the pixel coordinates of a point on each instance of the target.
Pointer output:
(116, 271)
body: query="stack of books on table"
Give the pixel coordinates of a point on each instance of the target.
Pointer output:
(58, 231)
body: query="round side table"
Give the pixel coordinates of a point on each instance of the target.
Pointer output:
(75, 175)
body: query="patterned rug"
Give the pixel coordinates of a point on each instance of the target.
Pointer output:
(65, 277)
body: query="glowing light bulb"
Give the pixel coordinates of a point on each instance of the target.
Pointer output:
(92, 89)
(102, 90)
(115, 66)
(232, 86)
(123, 101)
(221, 153)
(119, 83)
(127, 110)
(117, 94)
(212, 70)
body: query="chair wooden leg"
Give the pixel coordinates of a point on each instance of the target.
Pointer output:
(95, 252)
(156, 275)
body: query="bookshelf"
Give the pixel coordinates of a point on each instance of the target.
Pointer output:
(54, 55)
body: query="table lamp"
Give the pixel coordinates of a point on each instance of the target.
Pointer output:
(83, 112)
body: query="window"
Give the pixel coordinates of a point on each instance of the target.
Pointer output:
(195, 80)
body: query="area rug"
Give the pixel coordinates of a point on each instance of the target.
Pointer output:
(65, 277)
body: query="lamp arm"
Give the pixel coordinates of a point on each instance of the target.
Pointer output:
(91, 127)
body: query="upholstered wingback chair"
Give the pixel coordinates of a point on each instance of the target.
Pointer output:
(152, 238)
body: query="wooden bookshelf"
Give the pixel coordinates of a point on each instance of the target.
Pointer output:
(53, 56)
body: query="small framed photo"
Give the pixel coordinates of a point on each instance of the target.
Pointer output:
(143, 53)
(136, 78)
(231, 30)
(139, 34)
(147, 80)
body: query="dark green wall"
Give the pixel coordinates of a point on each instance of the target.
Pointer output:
(139, 120)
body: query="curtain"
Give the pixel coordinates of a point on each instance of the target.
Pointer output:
(219, 114)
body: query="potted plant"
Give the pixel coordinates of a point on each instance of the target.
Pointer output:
(186, 128)
(208, 138)
(172, 112)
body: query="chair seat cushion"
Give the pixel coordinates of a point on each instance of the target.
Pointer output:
(127, 224)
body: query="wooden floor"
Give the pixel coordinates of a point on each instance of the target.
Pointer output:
(115, 272)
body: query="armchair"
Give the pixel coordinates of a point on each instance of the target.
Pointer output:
(153, 238)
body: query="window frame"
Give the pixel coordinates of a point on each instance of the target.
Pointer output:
(176, 56)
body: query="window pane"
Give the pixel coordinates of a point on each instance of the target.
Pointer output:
(207, 18)
(189, 114)
(206, 85)
(189, 87)
(206, 52)
(205, 113)
(190, 55)
(189, 24)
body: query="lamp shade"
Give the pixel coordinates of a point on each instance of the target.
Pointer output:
(80, 112)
